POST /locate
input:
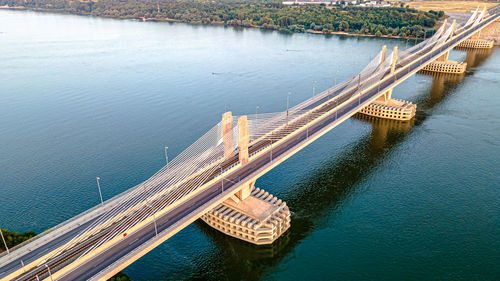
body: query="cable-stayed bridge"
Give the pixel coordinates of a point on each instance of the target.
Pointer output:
(214, 176)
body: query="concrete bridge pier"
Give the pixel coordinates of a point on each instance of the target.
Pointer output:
(485, 38)
(385, 106)
(491, 33)
(443, 64)
(251, 214)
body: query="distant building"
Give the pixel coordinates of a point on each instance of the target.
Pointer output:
(358, 3)
(374, 4)
(310, 2)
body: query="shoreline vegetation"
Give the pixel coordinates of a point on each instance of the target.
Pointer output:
(389, 22)
(15, 238)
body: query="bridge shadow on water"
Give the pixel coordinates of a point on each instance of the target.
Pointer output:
(315, 197)
(323, 192)
(443, 84)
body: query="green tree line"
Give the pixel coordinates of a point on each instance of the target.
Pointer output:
(14, 238)
(267, 14)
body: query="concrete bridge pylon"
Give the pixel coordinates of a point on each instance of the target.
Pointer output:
(491, 32)
(227, 134)
(385, 106)
(485, 38)
(251, 214)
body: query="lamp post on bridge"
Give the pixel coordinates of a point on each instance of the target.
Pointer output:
(314, 87)
(99, 187)
(166, 155)
(50, 274)
(5, 243)
(154, 218)
(222, 175)
(256, 113)
(271, 155)
(287, 104)
(359, 91)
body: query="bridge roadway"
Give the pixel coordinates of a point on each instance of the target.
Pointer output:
(331, 115)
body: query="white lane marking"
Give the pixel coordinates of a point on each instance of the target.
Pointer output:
(133, 241)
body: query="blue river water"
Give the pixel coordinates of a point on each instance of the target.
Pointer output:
(82, 97)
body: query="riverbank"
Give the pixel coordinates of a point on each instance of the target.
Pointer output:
(451, 6)
(13, 7)
(391, 22)
(144, 19)
(260, 27)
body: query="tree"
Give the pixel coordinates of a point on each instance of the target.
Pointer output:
(265, 14)
(344, 26)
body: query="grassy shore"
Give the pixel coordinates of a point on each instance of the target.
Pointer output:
(266, 14)
(451, 6)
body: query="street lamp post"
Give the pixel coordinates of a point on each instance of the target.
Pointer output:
(314, 87)
(287, 104)
(256, 113)
(99, 187)
(271, 156)
(166, 155)
(50, 274)
(307, 128)
(154, 219)
(359, 86)
(222, 175)
(5, 243)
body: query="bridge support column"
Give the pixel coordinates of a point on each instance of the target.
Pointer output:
(491, 33)
(386, 96)
(227, 134)
(444, 57)
(485, 38)
(243, 139)
(384, 50)
(386, 107)
(394, 58)
(442, 64)
(251, 214)
(245, 191)
(259, 219)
